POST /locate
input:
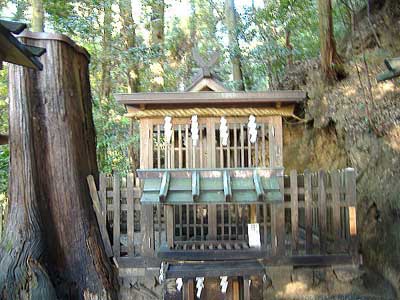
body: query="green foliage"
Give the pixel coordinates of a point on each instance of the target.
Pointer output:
(96, 25)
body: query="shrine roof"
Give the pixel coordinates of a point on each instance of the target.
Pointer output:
(182, 98)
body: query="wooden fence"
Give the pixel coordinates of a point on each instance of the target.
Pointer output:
(317, 217)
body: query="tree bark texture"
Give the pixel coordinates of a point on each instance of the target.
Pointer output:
(105, 84)
(329, 55)
(231, 25)
(52, 242)
(157, 43)
(37, 16)
(128, 32)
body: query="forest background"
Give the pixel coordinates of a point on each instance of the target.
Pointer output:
(146, 45)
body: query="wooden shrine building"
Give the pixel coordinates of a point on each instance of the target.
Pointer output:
(212, 198)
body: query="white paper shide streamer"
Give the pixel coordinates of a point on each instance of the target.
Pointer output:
(199, 286)
(252, 127)
(224, 284)
(179, 284)
(194, 130)
(168, 129)
(223, 131)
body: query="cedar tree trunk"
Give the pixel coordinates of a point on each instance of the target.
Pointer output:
(157, 43)
(329, 55)
(231, 25)
(37, 16)
(52, 242)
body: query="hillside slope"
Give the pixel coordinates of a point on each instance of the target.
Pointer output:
(356, 123)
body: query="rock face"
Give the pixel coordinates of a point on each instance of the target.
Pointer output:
(356, 123)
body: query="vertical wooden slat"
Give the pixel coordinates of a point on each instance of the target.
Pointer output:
(253, 213)
(221, 152)
(222, 221)
(158, 146)
(202, 222)
(180, 221)
(146, 161)
(180, 154)
(322, 211)
(130, 213)
(236, 222)
(117, 215)
(235, 289)
(159, 224)
(256, 161)
(187, 222)
(274, 237)
(228, 152)
(194, 207)
(263, 145)
(249, 149)
(350, 185)
(294, 200)
(173, 147)
(246, 288)
(229, 206)
(188, 290)
(103, 197)
(243, 219)
(187, 152)
(308, 210)
(235, 160)
(211, 163)
(335, 192)
(194, 155)
(265, 213)
(170, 223)
(242, 145)
(271, 140)
(201, 158)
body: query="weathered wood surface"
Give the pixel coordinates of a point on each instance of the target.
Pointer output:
(52, 142)
(99, 215)
(315, 225)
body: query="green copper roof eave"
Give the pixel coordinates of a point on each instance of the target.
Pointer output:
(217, 186)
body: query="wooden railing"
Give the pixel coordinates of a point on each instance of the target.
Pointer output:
(317, 217)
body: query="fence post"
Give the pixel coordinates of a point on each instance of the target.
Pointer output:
(130, 214)
(322, 211)
(350, 182)
(308, 210)
(294, 198)
(117, 215)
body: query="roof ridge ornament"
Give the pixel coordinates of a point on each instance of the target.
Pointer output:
(205, 66)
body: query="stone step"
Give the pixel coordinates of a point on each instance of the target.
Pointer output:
(336, 297)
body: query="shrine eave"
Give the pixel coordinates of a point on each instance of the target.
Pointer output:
(177, 98)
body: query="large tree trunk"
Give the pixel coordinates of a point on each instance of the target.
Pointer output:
(329, 55)
(105, 84)
(52, 227)
(37, 16)
(231, 24)
(157, 43)
(128, 32)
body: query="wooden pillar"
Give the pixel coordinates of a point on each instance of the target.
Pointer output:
(235, 289)
(276, 160)
(350, 185)
(188, 290)
(146, 162)
(211, 163)
(246, 288)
